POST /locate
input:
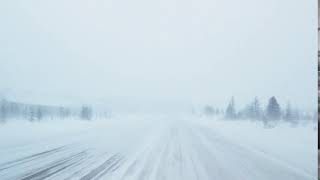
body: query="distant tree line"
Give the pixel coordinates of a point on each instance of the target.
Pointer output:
(32, 112)
(254, 111)
(209, 110)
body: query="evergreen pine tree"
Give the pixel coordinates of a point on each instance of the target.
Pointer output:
(231, 111)
(289, 116)
(86, 113)
(39, 113)
(273, 110)
(253, 110)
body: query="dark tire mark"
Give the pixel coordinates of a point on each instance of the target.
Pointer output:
(60, 164)
(89, 162)
(27, 159)
(106, 166)
(72, 165)
(112, 168)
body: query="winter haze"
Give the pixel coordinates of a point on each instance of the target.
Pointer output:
(158, 90)
(147, 55)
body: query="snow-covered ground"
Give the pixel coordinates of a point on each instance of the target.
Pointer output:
(157, 147)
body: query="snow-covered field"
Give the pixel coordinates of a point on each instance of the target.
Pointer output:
(157, 147)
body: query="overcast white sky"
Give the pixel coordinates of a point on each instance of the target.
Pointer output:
(165, 52)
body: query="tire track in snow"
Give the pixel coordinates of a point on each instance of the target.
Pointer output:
(81, 169)
(103, 168)
(55, 167)
(116, 165)
(171, 159)
(30, 158)
(135, 165)
(143, 163)
(170, 156)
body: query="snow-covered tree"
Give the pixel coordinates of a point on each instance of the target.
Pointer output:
(253, 110)
(273, 111)
(257, 110)
(209, 110)
(86, 113)
(231, 111)
(64, 112)
(32, 114)
(3, 110)
(39, 113)
(288, 114)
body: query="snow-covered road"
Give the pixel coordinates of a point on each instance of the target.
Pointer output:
(170, 150)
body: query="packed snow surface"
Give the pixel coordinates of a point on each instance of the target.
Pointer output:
(157, 148)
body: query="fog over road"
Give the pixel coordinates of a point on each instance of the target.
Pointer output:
(138, 150)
